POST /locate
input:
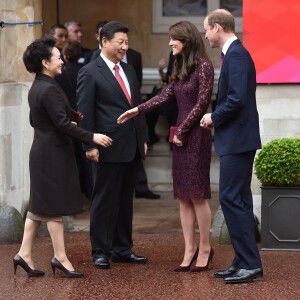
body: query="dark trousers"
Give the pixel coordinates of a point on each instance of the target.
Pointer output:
(237, 205)
(84, 169)
(141, 185)
(112, 208)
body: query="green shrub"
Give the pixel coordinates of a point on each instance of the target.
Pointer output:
(278, 163)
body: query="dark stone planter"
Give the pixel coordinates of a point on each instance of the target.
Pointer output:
(280, 218)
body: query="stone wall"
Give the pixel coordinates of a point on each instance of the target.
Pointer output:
(137, 14)
(15, 132)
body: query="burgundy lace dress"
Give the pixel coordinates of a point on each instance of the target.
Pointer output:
(191, 162)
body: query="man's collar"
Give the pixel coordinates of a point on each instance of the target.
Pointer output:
(109, 63)
(228, 43)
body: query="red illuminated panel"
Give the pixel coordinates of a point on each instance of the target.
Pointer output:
(271, 34)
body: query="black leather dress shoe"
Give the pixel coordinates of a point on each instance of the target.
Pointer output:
(225, 273)
(243, 275)
(130, 258)
(102, 263)
(147, 195)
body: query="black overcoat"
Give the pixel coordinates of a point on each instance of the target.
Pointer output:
(54, 181)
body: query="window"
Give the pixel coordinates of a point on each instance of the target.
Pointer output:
(167, 12)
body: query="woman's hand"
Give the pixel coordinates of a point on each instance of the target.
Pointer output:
(176, 141)
(80, 117)
(128, 115)
(102, 139)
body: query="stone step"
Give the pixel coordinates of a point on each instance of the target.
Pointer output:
(158, 166)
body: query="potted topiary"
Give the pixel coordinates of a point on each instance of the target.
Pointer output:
(277, 166)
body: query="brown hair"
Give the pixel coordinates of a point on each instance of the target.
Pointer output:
(72, 50)
(193, 49)
(99, 25)
(222, 17)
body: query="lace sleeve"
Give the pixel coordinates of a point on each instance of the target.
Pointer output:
(165, 97)
(205, 80)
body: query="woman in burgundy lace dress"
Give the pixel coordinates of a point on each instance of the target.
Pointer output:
(191, 86)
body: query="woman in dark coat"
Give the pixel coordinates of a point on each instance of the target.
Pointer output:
(54, 182)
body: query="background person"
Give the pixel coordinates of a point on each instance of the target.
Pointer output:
(168, 110)
(191, 86)
(60, 34)
(54, 184)
(68, 82)
(75, 34)
(236, 139)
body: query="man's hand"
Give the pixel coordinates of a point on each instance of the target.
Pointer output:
(145, 148)
(161, 65)
(206, 121)
(93, 154)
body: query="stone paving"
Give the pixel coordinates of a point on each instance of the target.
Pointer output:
(161, 241)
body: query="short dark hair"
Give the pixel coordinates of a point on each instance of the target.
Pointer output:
(36, 52)
(72, 50)
(54, 27)
(100, 24)
(109, 29)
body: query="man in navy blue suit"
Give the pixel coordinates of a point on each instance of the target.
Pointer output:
(236, 138)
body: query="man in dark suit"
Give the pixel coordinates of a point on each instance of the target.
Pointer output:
(75, 34)
(106, 88)
(133, 58)
(236, 139)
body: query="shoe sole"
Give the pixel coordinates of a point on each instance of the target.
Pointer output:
(251, 279)
(224, 276)
(128, 262)
(102, 267)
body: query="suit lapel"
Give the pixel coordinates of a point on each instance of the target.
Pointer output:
(129, 78)
(111, 79)
(236, 42)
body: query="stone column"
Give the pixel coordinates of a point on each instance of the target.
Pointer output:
(15, 132)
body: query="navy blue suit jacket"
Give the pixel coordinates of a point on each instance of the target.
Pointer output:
(235, 117)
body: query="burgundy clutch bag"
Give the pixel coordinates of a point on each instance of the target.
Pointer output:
(172, 133)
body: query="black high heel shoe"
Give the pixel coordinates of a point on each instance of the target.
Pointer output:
(19, 261)
(208, 265)
(71, 274)
(187, 268)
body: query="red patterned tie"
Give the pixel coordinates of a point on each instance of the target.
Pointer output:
(121, 82)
